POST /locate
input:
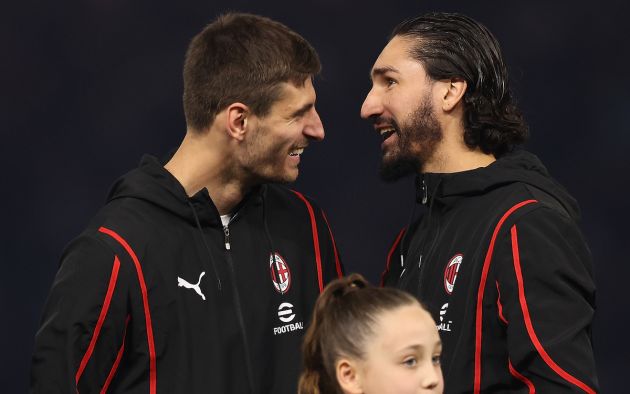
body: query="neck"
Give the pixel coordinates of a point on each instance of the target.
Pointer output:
(458, 161)
(201, 161)
(453, 155)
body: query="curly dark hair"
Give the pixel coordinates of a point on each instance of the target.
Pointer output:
(451, 45)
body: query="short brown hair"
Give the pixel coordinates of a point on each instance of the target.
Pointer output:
(343, 320)
(242, 58)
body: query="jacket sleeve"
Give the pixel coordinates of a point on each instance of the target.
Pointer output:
(84, 322)
(546, 300)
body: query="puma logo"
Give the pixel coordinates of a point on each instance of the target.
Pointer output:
(182, 283)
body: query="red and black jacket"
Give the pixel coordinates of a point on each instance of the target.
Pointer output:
(500, 262)
(130, 310)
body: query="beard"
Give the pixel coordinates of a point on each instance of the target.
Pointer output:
(264, 160)
(416, 145)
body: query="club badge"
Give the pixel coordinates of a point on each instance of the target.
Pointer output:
(450, 273)
(280, 273)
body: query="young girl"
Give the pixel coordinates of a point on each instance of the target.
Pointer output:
(364, 339)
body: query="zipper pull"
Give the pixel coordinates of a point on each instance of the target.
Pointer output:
(425, 193)
(226, 231)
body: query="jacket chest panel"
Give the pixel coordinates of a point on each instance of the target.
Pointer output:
(447, 280)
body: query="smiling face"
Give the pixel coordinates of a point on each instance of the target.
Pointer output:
(276, 141)
(401, 106)
(403, 355)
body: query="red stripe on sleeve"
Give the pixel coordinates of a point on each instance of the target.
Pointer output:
(480, 293)
(112, 372)
(517, 375)
(528, 321)
(101, 319)
(145, 301)
(390, 253)
(337, 262)
(318, 257)
(499, 306)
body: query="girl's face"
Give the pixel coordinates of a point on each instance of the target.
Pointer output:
(403, 356)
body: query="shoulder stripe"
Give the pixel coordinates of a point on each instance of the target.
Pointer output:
(145, 301)
(334, 244)
(318, 257)
(101, 319)
(390, 253)
(517, 375)
(528, 321)
(480, 293)
(112, 372)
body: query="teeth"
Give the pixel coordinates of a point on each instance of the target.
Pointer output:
(296, 152)
(387, 130)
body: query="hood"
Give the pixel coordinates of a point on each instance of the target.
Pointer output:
(518, 166)
(152, 183)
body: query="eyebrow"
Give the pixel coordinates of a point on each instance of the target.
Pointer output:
(418, 347)
(382, 70)
(302, 110)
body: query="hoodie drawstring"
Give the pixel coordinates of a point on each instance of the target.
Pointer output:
(203, 238)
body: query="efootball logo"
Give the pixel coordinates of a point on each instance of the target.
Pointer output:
(450, 273)
(280, 273)
(285, 312)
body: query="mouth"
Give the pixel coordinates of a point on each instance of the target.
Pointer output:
(386, 132)
(296, 152)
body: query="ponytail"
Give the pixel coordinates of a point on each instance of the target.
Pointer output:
(309, 383)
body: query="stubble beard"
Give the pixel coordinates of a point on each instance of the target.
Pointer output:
(262, 162)
(417, 142)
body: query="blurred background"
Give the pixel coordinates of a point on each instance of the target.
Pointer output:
(88, 86)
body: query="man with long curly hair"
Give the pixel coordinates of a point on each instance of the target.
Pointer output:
(494, 249)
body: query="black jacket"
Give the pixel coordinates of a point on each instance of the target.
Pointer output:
(500, 262)
(124, 313)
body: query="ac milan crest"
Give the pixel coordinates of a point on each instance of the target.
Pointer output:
(450, 273)
(280, 273)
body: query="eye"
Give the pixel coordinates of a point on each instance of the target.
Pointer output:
(410, 362)
(390, 82)
(436, 359)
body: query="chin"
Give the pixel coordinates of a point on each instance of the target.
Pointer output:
(291, 175)
(392, 170)
(290, 178)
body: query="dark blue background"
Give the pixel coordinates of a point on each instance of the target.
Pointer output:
(89, 86)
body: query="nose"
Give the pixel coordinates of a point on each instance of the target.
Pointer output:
(314, 129)
(372, 105)
(431, 377)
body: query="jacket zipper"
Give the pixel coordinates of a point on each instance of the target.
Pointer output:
(226, 231)
(237, 304)
(402, 243)
(426, 253)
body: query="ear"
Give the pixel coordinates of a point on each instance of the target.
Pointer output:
(348, 376)
(452, 93)
(236, 120)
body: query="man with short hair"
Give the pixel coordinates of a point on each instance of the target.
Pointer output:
(497, 256)
(199, 274)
